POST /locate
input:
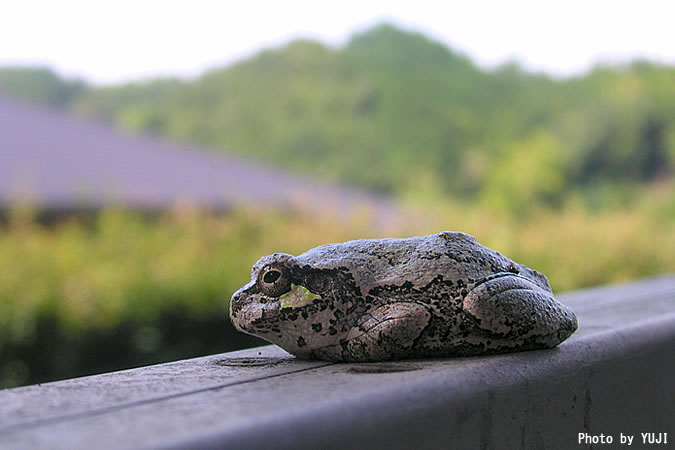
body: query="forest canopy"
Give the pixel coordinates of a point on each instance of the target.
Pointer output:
(396, 112)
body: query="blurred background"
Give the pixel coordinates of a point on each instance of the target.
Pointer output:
(151, 152)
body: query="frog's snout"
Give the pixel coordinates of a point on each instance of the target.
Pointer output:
(236, 303)
(240, 310)
(249, 314)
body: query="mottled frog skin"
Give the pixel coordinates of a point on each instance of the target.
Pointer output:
(381, 299)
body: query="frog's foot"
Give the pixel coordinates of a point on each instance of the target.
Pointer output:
(387, 332)
(514, 308)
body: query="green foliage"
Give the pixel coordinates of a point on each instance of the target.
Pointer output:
(40, 85)
(528, 172)
(394, 111)
(118, 289)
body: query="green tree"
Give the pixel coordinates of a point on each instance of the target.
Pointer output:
(40, 85)
(528, 173)
(394, 111)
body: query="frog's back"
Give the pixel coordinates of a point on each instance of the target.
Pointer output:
(450, 257)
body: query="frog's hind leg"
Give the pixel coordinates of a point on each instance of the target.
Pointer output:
(386, 332)
(516, 310)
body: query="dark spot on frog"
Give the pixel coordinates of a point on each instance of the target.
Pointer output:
(316, 284)
(381, 368)
(316, 327)
(249, 361)
(513, 269)
(301, 341)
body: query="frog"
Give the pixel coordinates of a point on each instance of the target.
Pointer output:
(442, 295)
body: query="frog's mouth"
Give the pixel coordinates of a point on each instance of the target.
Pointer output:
(251, 315)
(257, 318)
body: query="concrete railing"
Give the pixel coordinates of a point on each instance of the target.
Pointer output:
(612, 380)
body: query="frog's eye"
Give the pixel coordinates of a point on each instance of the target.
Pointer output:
(274, 280)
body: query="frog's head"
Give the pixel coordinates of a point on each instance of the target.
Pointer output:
(288, 304)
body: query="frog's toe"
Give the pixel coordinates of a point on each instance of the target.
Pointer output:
(387, 332)
(514, 307)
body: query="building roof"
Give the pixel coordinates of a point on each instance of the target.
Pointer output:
(60, 162)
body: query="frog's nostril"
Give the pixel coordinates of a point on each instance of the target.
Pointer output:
(235, 302)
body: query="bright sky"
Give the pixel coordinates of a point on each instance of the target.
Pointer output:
(130, 39)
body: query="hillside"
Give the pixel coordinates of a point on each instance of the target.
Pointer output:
(396, 112)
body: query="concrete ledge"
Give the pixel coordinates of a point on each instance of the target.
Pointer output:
(613, 377)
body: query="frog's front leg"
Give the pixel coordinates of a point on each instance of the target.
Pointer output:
(513, 308)
(386, 332)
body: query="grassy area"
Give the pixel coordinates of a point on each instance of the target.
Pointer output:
(120, 289)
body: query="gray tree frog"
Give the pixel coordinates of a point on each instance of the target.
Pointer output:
(380, 299)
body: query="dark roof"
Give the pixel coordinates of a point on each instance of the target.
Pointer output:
(61, 162)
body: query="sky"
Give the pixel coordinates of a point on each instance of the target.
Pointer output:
(117, 41)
